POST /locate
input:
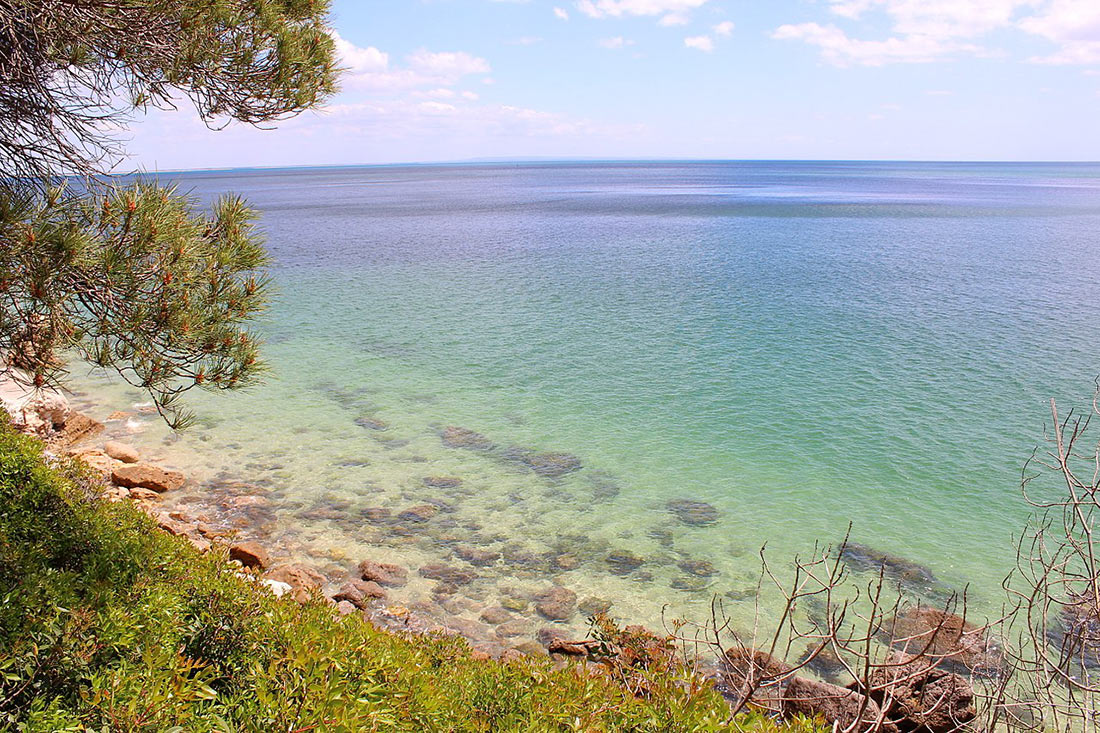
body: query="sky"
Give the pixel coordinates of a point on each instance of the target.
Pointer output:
(454, 80)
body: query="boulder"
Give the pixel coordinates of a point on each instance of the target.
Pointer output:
(78, 427)
(844, 709)
(477, 556)
(359, 593)
(418, 514)
(556, 603)
(147, 476)
(448, 574)
(278, 587)
(950, 639)
(96, 460)
(456, 437)
(693, 513)
(496, 615)
(384, 573)
(750, 673)
(345, 608)
(550, 464)
(249, 554)
(867, 559)
(304, 581)
(442, 482)
(121, 452)
(919, 696)
(139, 494)
(623, 562)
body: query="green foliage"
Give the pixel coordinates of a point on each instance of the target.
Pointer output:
(108, 624)
(132, 278)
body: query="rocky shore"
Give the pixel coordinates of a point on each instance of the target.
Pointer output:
(233, 517)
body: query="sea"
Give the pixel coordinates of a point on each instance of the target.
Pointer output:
(636, 379)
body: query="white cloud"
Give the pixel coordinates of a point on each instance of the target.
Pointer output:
(447, 64)
(525, 41)
(359, 60)
(920, 30)
(472, 96)
(1074, 25)
(703, 43)
(840, 49)
(615, 43)
(561, 14)
(724, 28)
(673, 19)
(620, 8)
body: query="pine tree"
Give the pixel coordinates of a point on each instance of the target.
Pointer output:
(134, 276)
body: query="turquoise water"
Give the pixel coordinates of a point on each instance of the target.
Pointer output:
(800, 345)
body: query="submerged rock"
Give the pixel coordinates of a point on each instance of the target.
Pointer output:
(360, 592)
(384, 573)
(457, 437)
(593, 605)
(1077, 627)
(476, 556)
(442, 482)
(623, 562)
(371, 423)
(496, 615)
(556, 603)
(949, 641)
(550, 464)
(693, 513)
(448, 574)
(421, 513)
(863, 558)
(700, 568)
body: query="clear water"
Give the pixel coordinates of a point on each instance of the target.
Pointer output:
(802, 345)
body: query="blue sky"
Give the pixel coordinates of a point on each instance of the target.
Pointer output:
(441, 80)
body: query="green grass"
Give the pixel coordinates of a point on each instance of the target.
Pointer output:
(107, 624)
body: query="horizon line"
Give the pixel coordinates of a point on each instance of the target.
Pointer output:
(556, 159)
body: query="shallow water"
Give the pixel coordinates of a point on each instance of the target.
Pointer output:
(800, 345)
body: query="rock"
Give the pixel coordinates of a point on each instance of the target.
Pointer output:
(96, 460)
(700, 568)
(78, 427)
(442, 482)
(592, 606)
(753, 674)
(304, 581)
(371, 423)
(448, 574)
(476, 556)
(121, 452)
(693, 513)
(1077, 627)
(41, 412)
(384, 573)
(581, 648)
(825, 663)
(118, 415)
(496, 615)
(359, 592)
(919, 696)
(862, 558)
(566, 561)
(146, 476)
(550, 465)
(512, 629)
(249, 554)
(377, 515)
(689, 583)
(623, 562)
(200, 544)
(844, 709)
(518, 605)
(556, 603)
(421, 513)
(277, 587)
(139, 494)
(345, 608)
(952, 641)
(456, 437)
(530, 649)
